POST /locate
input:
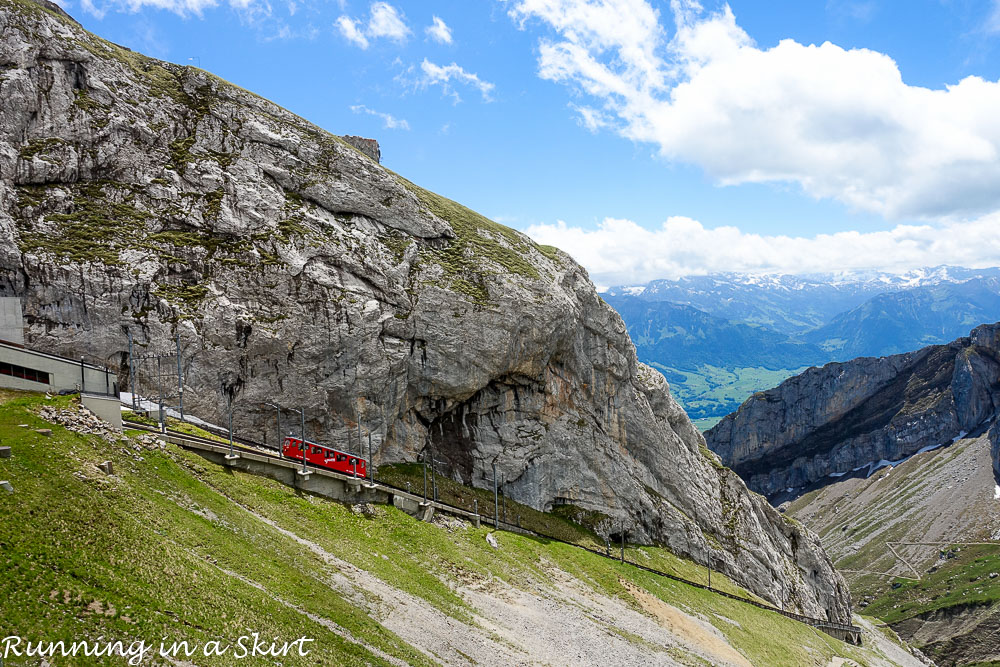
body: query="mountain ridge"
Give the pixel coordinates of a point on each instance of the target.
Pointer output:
(829, 421)
(813, 319)
(144, 197)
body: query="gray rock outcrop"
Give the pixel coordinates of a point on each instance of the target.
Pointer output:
(843, 416)
(140, 196)
(994, 437)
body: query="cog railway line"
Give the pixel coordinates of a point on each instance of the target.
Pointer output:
(258, 450)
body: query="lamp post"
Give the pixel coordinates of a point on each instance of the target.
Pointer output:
(277, 411)
(425, 480)
(159, 389)
(232, 454)
(132, 371)
(496, 498)
(302, 415)
(180, 380)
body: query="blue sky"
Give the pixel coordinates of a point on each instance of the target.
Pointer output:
(649, 139)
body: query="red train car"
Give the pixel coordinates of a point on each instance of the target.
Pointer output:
(322, 456)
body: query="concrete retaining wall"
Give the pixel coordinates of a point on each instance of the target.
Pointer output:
(108, 408)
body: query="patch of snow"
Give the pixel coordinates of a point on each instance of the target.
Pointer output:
(634, 291)
(146, 404)
(882, 463)
(996, 492)
(959, 437)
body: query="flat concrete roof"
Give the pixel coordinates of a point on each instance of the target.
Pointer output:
(22, 348)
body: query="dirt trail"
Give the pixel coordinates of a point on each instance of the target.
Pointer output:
(697, 634)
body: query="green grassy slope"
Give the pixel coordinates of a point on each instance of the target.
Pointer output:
(962, 579)
(173, 546)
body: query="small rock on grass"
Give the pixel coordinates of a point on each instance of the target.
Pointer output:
(492, 541)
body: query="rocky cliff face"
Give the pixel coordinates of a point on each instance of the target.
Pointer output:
(845, 415)
(139, 196)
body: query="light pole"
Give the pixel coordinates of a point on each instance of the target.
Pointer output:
(277, 411)
(425, 480)
(302, 415)
(131, 370)
(180, 380)
(159, 389)
(232, 454)
(369, 468)
(496, 498)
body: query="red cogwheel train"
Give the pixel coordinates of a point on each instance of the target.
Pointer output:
(322, 456)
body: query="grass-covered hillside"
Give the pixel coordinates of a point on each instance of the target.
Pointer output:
(172, 546)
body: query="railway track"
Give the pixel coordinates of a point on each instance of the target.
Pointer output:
(261, 449)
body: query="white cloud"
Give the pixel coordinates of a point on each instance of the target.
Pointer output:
(992, 24)
(621, 252)
(444, 75)
(840, 123)
(384, 20)
(439, 31)
(391, 122)
(250, 12)
(349, 29)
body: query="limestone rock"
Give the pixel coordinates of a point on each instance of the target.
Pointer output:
(145, 197)
(994, 436)
(842, 416)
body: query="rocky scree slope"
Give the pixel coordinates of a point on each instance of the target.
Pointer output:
(937, 586)
(137, 195)
(842, 416)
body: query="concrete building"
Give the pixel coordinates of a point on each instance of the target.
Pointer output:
(31, 370)
(11, 320)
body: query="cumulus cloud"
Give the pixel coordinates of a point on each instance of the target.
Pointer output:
(390, 121)
(439, 31)
(621, 252)
(349, 29)
(448, 75)
(840, 123)
(384, 20)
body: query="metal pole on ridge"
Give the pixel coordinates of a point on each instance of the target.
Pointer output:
(231, 453)
(131, 371)
(302, 414)
(496, 498)
(159, 389)
(180, 380)
(277, 411)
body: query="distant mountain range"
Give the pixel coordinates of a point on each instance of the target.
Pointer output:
(720, 338)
